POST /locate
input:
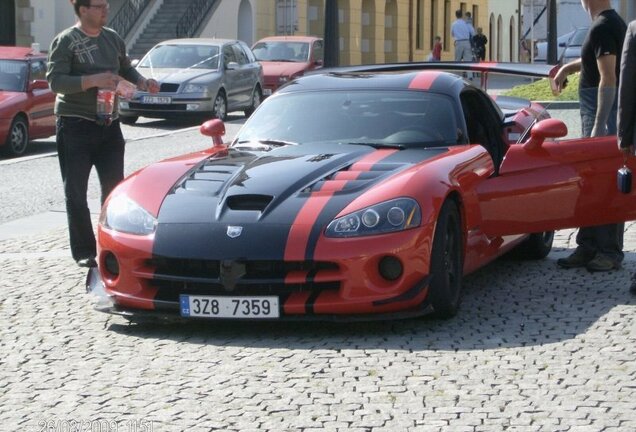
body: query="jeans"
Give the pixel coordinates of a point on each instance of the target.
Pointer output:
(82, 144)
(602, 239)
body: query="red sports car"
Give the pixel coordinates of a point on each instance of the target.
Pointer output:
(26, 102)
(287, 57)
(353, 193)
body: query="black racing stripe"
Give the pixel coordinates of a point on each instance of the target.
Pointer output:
(340, 200)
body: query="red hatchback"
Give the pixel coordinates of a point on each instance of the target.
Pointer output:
(26, 102)
(287, 57)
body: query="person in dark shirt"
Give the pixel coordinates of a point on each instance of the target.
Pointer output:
(599, 248)
(627, 104)
(479, 44)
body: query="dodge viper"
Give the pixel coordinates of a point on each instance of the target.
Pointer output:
(354, 193)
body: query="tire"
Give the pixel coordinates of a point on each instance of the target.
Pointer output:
(128, 120)
(220, 106)
(537, 246)
(257, 98)
(446, 263)
(17, 138)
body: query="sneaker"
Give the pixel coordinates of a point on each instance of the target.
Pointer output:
(602, 263)
(577, 259)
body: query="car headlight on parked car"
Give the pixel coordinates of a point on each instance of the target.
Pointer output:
(389, 216)
(124, 215)
(195, 88)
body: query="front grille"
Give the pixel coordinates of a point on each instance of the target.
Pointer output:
(168, 88)
(173, 277)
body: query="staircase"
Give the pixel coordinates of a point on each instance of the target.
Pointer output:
(161, 26)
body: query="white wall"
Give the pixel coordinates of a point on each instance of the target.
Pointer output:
(506, 9)
(224, 22)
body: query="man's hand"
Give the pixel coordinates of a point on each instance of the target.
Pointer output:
(150, 85)
(598, 131)
(105, 80)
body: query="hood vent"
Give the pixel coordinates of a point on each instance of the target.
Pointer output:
(207, 180)
(248, 202)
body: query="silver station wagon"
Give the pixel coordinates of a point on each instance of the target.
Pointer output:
(198, 77)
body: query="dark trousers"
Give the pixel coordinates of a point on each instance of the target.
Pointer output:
(82, 144)
(602, 239)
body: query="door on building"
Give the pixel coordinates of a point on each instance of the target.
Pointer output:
(7, 22)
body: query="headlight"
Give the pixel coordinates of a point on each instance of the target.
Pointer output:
(125, 215)
(390, 216)
(195, 88)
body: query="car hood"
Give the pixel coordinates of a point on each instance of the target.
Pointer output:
(264, 195)
(283, 68)
(8, 97)
(176, 75)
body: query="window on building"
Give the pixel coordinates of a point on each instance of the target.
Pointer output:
(419, 25)
(286, 17)
(447, 21)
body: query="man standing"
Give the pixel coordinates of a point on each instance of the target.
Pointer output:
(600, 248)
(82, 59)
(627, 103)
(463, 33)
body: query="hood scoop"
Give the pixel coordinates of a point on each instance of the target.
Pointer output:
(248, 202)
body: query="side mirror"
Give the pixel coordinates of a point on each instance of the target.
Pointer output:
(548, 128)
(215, 129)
(38, 85)
(232, 66)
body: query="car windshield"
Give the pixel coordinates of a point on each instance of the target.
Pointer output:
(182, 57)
(12, 75)
(578, 38)
(282, 51)
(363, 117)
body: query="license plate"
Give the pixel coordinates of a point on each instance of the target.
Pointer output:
(267, 92)
(156, 99)
(229, 307)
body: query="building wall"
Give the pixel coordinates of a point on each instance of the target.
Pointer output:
(502, 31)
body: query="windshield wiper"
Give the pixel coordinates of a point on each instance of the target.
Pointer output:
(378, 145)
(269, 141)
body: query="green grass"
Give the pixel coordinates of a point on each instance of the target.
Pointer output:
(540, 90)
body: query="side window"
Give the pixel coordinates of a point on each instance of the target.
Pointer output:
(38, 70)
(482, 124)
(248, 52)
(228, 55)
(241, 58)
(319, 51)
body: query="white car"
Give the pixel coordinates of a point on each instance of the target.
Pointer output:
(568, 47)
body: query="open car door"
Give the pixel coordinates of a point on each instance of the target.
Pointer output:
(545, 185)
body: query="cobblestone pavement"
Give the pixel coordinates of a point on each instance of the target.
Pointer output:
(533, 349)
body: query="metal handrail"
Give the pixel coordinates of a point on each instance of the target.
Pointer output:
(193, 17)
(127, 16)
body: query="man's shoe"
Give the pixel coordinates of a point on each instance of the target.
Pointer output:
(87, 262)
(577, 259)
(602, 263)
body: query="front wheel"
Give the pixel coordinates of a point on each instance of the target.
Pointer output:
(220, 107)
(128, 120)
(446, 262)
(18, 137)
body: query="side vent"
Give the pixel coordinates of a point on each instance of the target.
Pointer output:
(248, 202)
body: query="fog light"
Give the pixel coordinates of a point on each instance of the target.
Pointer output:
(192, 107)
(390, 268)
(111, 264)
